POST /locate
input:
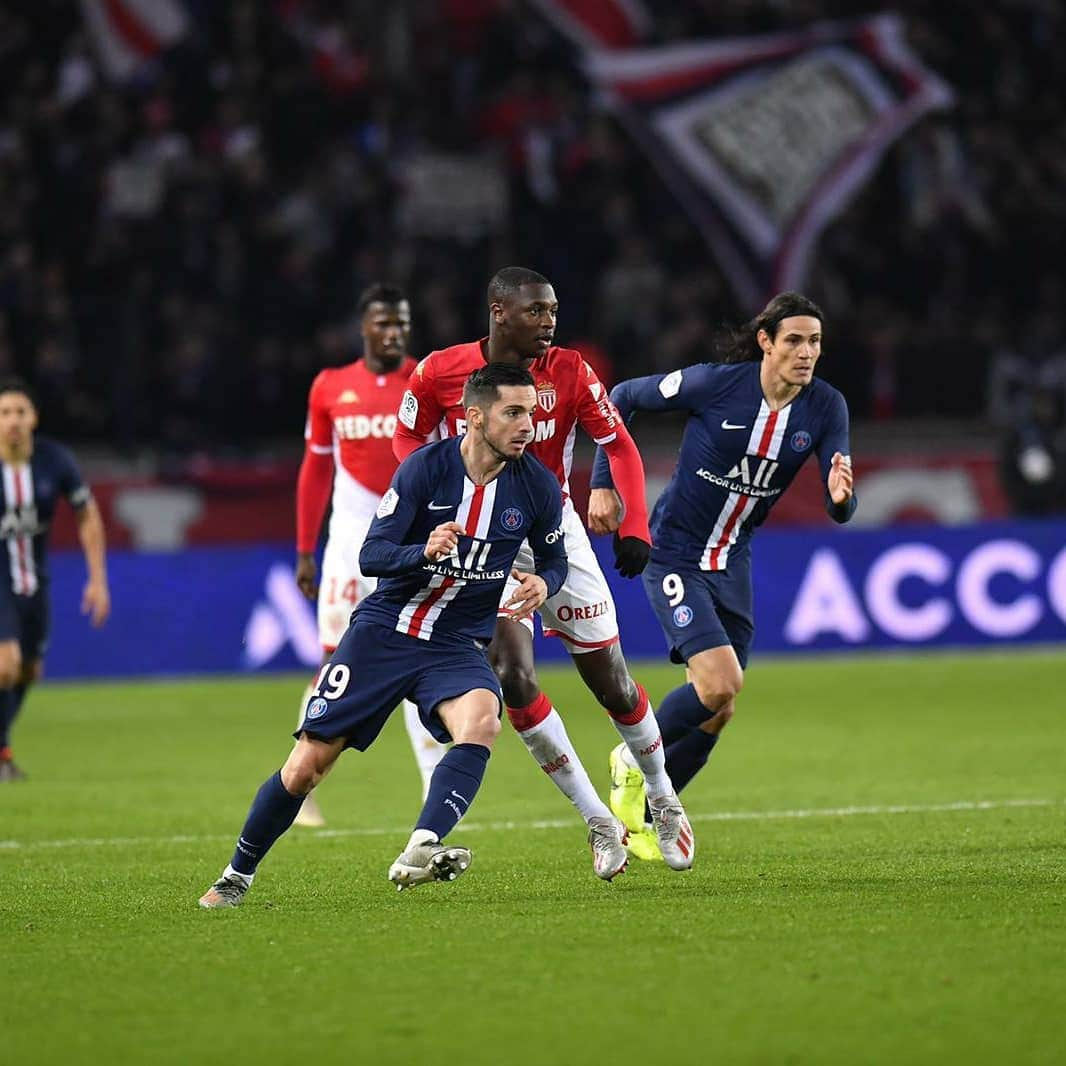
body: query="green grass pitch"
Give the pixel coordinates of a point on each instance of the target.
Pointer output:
(880, 879)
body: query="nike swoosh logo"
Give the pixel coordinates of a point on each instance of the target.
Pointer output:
(441, 506)
(726, 424)
(458, 797)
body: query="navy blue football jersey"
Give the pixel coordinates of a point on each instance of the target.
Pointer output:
(31, 491)
(455, 598)
(737, 456)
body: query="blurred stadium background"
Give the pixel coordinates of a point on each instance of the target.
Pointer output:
(194, 193)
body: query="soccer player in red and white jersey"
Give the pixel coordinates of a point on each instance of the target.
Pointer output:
(522, 315)
(351, 417)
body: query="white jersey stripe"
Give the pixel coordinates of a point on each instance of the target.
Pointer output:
(29, 562)
(12, 542)
(732, 516)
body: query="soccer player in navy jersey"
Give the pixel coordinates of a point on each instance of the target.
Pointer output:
(443, 544)
(36, 472)
(753, 421)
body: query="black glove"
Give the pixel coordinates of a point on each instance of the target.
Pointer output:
(630, 555)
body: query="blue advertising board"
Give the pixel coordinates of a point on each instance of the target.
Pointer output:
(238, 609)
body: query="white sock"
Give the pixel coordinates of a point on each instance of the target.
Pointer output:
(550, 746)
(645, 744)
(422, 836)
(303, 703)
(428, 750)
(246, 878)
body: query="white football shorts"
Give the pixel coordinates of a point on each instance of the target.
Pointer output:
(342, 585)
(582, 612)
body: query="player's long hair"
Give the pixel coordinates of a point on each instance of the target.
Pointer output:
(740, 346)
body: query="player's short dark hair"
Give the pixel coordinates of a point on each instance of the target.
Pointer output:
(381, 292)
(482, 388)
(741, 346)
(11, 383)
(509, 280)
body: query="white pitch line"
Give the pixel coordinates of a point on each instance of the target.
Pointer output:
(552, 823)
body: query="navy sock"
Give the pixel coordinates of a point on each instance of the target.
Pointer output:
(679, 713)
(687, 756)
(272, 812)
(452, 788)
(10, 702)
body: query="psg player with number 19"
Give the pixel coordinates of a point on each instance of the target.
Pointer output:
(753, 422)
(443, 543)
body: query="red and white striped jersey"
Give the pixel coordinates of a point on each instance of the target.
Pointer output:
(30, 493)
(455, 598)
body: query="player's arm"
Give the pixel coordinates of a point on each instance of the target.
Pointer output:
(548, 544)
(680, 390)
(313, 488)
(384, 552)
(420, 412)
(96, 596)
(834, 457)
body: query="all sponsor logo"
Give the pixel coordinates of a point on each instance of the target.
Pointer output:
(800, 440)
(316, 708)
(682, 615)
(511, 519)
(546, 396)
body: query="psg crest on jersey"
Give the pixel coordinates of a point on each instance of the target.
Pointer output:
(511, 518)
(316, 708)
(682, 615)
(546, 396)
(801, 440)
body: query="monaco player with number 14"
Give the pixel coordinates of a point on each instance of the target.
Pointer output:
(351, 418)
(754, 420)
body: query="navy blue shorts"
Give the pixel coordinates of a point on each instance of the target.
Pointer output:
(702, 609)
(27, 620)
(374, 668)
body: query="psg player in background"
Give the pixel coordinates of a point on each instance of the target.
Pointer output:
(753, 422)
(37, 471)
(351, 417)
(522, 316)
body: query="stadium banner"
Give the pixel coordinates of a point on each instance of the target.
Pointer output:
(765, 139)
(232, 610)
(598, 23)
(129, 35)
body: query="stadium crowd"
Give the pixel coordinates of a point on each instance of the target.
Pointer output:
(178, 257)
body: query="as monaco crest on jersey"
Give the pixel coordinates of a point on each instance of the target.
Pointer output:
(546, 396)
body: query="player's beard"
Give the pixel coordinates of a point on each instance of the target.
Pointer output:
(503, 457)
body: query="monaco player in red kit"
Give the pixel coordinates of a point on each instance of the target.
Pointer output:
(351, 417)
(522, 314)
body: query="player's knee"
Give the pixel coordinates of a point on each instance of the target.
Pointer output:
(480, 727)
(718, 692)
(517, 679)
